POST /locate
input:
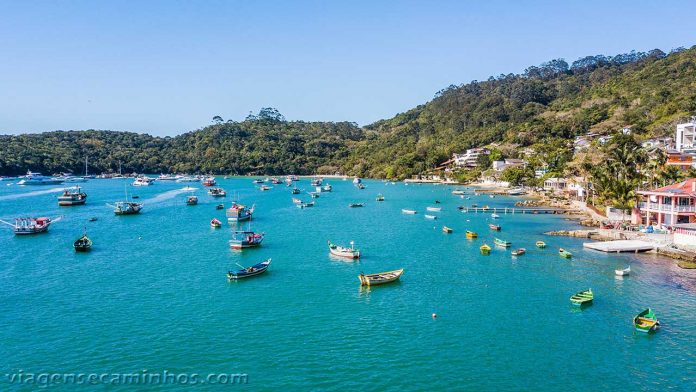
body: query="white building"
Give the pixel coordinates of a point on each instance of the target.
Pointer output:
(686, 137)
(470, 157)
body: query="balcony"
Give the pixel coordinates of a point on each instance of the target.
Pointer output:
(667, 207)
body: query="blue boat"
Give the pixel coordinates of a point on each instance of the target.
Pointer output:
(254, 270)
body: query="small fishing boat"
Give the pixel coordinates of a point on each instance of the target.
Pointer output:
(306, 205)
(646, 321)
(264, 187)
(581, 298)
(239, 212)
(430, 217)
(126, 207)
(72, 197)
(380, 278)
(409, 212)
(342, 251)
(275, 181)
(380, 197)
(82, 244)
(503, 243)
(471, 234)
(458, 192)
(485, 249)
(24, 226)
(296, 191)
(192, 200)
(433, 209)
(446, 229)
(215, 223)
(313, 195)
(217, 192)
(316, 182)
(209, 181)
(246, 239)
(494, 227)
(220, 207)
(355, 205)
(519, 252)
(495, 216)
(361, 186)
(564, 253)
(136, 197)
(254, 270)
(541, 244)
(623, 272)
(327, 188)
(356, 180)
(93, 219)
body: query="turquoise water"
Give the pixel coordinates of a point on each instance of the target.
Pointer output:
(153, 295)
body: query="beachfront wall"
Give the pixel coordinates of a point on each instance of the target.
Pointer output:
(685, 236)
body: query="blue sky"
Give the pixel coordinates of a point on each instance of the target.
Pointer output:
(167, 67)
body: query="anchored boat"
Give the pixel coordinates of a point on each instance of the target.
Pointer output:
(541, 244)
(471, 234)
(623, 272)
(217, 192)
(380, 197)
(446, 229)
(246, 239)
(239, 212)
(564, 253)
(342, 251)
(584, 297)
(380, 278)
(430, 216)
(485, 249)
(192, 200)
(143, 181)
(254, 270)
(82, 244)
(72, 197)
(215, 223)
(646, 321)
(355, 205)
(494, 227)
(519, 252)
(433, 209)
(126, 207)
(209, 181)
(409, 212)
(503, 243)
(24, 226)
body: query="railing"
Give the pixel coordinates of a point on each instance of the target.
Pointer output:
(667, 207)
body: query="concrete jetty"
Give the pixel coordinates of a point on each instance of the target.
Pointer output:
(620, 246)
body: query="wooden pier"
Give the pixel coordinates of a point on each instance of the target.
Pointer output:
(516, 210)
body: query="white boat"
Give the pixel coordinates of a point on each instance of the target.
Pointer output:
(623, 272)
(430, 217)
(356, 180)
(143, 181)
(187, 179)
(38, 179)
(516, 192)
(495, 216)
(342, 251)
(166, 177)
(407, 211)
(434, 209)
(458, 192)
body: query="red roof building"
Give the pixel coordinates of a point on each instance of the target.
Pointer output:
(670, 204)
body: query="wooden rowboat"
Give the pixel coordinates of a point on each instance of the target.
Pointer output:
(254, 270)
(493, 226)
(380, 278)
(407, 211)
(485, 249)
(82, 244)
(430, 216)
(541, 244)
(564, 253)
(471, 234)
(584, 297)
(623, 272)
(503, 243)
(646, 321)
(434, 209)
(446, 229)
(519, 252)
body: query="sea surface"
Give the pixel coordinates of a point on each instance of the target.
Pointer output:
(152, 295)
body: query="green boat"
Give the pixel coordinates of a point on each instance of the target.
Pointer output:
(584, 297)
(503, 243)
(564, 253)
(646, 321)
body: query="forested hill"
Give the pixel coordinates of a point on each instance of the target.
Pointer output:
(260, 144)
(546, 105)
